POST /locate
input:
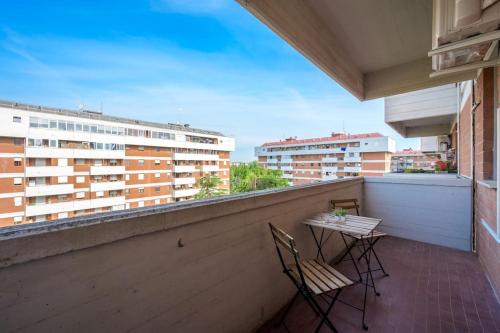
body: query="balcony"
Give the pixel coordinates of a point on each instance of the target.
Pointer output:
(218, 245)
(184, 181)
(49, 171)
(352, 159)
(184, 168)
(329, 168)
(107, 186)
(186, 192)
(60, 207)
(46, 152)
(209, 168)
(195, 157)
(107, 170)
(352, 169)
(42, 190)
(286, 168)
(329, 160)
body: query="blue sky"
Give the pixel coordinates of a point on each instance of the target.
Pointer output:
(207, 63)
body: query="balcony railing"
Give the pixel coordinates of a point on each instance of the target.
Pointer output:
(42, 190)
(49, 171)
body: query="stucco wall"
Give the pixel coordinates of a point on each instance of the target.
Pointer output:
(434, 209)
(207, 266)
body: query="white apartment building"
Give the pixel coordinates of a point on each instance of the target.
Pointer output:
(57, 163)
(304, 161)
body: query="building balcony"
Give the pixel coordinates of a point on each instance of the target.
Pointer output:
(49, 171)
(107, 186)
(107, 170)
(186, 192)
(195, 157)
(286, 168)
(352, 159)
(287, 176)
(184, 168)
(184, 181)
(209, 168)
(43, 190)
(46, 152)
(329, 160)
(329, 168)
(217, 245)
(352, 169)
(70, 206)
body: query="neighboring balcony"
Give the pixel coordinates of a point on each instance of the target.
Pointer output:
(107, 186)
(69, 206)
(329, 160)
(46, 152)
(352, 159)
(195, 157)
(186, 193)
(49, 171)
(184, 168)
(352, 169)
(107, 170)
(43, 190)
(286, 168)
(184, 181)
(209, 168)
(329, 168)
(272, 167)
(287, 176)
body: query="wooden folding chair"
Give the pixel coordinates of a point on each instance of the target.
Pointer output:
(350, 205)
(312, 278)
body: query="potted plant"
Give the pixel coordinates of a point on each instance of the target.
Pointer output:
(340, 214)
(441, 167)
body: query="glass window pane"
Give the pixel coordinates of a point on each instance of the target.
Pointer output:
(34, 122)
(61, 125)
(70, 126)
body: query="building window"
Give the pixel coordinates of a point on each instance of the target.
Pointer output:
(62, 215)
(16, 119)
(127, 177)
(99, 194)
(157, 148)
(157, 201)
(141, 203)
(18, 162)
(53, 143)
(80, 195)
(18, 219)
(141, 162)
(140, 176)
(157, 162)
(79, 161)
(141, 189)
(18, 142)
(53, 124)
(18, 201)
(62, 179)
(80, 179)
(140, 148)
(18, 181)
(157, 188)
(157, 175)
(62, 197)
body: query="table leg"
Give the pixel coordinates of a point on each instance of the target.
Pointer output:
(349, 248)
(318, 243)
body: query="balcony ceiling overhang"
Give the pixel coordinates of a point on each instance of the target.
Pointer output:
(371, 48)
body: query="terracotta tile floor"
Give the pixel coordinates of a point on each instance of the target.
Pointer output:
(430, 289)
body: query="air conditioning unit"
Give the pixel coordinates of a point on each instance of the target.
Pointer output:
(465, 35)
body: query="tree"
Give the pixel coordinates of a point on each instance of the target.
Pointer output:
(209, 187)
(252, 176)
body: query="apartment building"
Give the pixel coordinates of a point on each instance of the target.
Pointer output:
(336, 156)
(415, 160)
(57, 163)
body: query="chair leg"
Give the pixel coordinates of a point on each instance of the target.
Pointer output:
(287, 309)
(350, 255)
(324, 315)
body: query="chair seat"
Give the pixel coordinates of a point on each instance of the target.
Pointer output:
(376, 234)
(321, 277)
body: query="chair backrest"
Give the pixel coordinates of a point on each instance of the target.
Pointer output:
(348, 204)
(286, 244)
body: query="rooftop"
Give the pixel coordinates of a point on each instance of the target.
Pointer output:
(96, 115)
(333, 137)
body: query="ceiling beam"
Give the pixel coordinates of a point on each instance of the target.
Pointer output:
(407, 77)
